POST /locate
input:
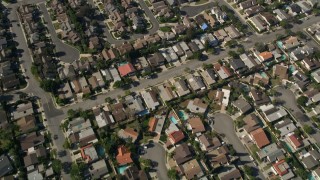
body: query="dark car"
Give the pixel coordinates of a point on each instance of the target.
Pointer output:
(62, 153)
(55, 137)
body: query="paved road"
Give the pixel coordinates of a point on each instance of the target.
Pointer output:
(33, 85)
(158, 154)
(195, 10)
(112, 40)
(290, 103)
(224, 124)
(64, 51)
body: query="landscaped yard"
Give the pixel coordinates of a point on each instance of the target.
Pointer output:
(56, 25)
(110, 24)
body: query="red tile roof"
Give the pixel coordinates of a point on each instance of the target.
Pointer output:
(260, 137)
(266, 55)
(126, 69)
(281, 167)
(295, 141)
(176, 136)
(83, 155)
(153, 124)
(124, 156)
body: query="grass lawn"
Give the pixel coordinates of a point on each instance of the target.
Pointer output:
(110, 24)
(202, 2)
(56, 25)
(100, 6)
(148, 3)
(165, 29)
(254, 149)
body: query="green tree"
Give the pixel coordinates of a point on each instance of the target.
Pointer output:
(207, 66)
(66, 144)
(232, 43)
(56, 166)
(241, 50)
(308, 129)
(172, 174)
(285, 24)
(302, 100)
(260, 46)
(233, 54)
(49, 85)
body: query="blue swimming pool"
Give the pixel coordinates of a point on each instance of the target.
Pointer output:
(121, 169)
(144, 112)
(100, 151)
(173, 120)
(280, 44)
(183, 115)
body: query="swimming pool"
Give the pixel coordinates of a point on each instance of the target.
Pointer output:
(183, 115)
(174, 120)
(280, 44)
(292, 68)
(100, 151)
(144, 112)
(121, 169)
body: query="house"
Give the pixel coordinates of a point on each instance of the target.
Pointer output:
(210, 38)
(5, 165)
(219, 14)
(294, 9)
(208, 76)
(300, 79)
(269, 18)
(150, 98)
(30, 141)
(254, 10)
(156, 59)
(118, 112)
(78, 124)
(124, 156)
(3, 119)
(271, 153)
(142, 65)
(10, 82)
(65, 92)
(166, 92)
(134, 104)
(313, 95)
(208, 143)
(316, 75)
(285, 127)
(197, 106)
(198, 43)
(195, 82)
(103, 118)
(283, 169)
(179, 29)
(192, 169)
(238, 66)
(152, 124)
(273, 113)
(97, 79)
(133, 173)
(87, 136)
(169, 54)
(290, 43)
(310, 159)
(178, 50)
(294, 141)
(115, 74)
(232, 32)
(251, 123)
(195, 125)
(30, 159)
(126, 69)
(124, 48)
(67, 72)
(259, 97)
(128, 133)
(209, 19)
(265, 56)
(300, 52)
(259, 137)
(35, 175)
(232, 173)
(310, 64)
(222, 71)
(89, 153)
(247, 4)
(258, 23)
(242, 105)
(218, 157)
(316, 173)
(181, 86)
(281, 15)
(280, 71)
(22, 110)
(176, 136)
(109, 54)
(305, 6)
(94, 43)
(261, 79)
(248, 60)
(182, 154)
(98, 169)
(185, 48)
(193, 47)
(26, 123)
(84, 86)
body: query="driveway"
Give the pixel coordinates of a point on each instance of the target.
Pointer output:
(157, 153)
(290, 103)
(65, 52)
(195, 10)
(224, 124)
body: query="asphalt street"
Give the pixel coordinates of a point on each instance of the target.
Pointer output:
(195, 10)
(223, 124)
(157, 153)
(65, 52)
(290, 103)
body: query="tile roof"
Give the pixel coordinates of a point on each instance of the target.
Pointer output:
(176, 136)
(124, 156)
(126, 69)
(260, 137)
(266, 55)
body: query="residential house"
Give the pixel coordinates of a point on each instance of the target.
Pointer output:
(316, 173)
(197, 106)
(222, 71)
(300, 79)
(103, 117)
(87, 136)
(181, 86)
(218, 157)
(185, 48)
(208, 76)
(232, 32)
(210, 38)
(179, 29)
(313, 95)
(128, 134)
(209, 19)
(193, 47)
(261, 79)
(182, 154)
(30, 141)
(98, 169)
(166, 92)
(150, 98)
(26, 123)
(195, 125)
(290, 43)
(126, 69)
(226, 95)
(259, 97)
(30, 159)
(269, 18)
(22, 110)
(84, 86)
(208, 143)
(192, 169)
(195, 82)
(273, 113)
(10, 82)
(178, 50)
(67, 72)
(115, 74)
(238, 66)
(156, 60)
(152, 124)
(265, 56)
(96, 80)
(199, 44)
(247, 4)
(301, 52)
(283, 169)
(259, 137)
(118, 112)
(242, 105)
(133, 173)
(248, 60)
(124, 48)
(142, 65)
(281, 15)
(305, 6)
(219, 14)
(176, 137)
(124, 156)
(5, 165)
(310, 159)
(109, 54)
(258, 22)
(233, 173)
(251, 123)
(271, 153)
(316, 75)
(285, 127)
(294, 9)
(134, 104)
(280, 71)
(169, 54)
(310, 64)
(3, 119)
(89, 153)
(294, 141)
(254, 10)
